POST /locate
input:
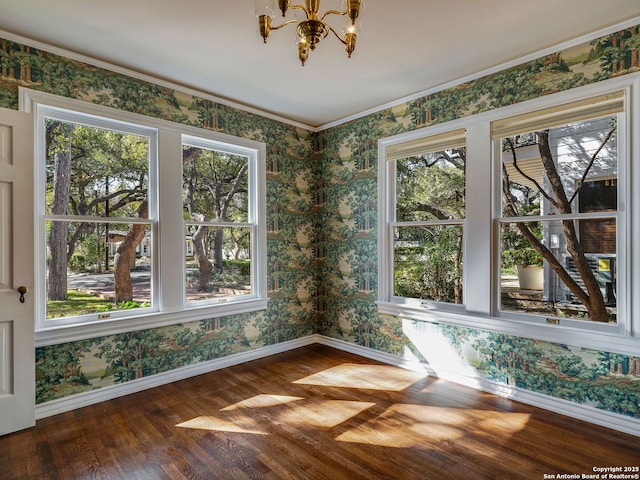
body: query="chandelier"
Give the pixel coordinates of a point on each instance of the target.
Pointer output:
(312, 29)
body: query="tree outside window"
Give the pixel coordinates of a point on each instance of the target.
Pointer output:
(428, 233)
(216, 210)
(559, 210)
(96, 217)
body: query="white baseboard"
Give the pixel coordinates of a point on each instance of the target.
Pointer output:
(593, 415)
(92, 397)
(622, 423)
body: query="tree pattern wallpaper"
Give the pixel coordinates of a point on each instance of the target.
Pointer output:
(322, 234)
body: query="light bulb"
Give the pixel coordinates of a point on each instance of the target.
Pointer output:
(265, 7)
(351, 27)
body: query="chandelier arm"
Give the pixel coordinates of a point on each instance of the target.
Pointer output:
(332, 12)
(284, 24)
(338, 36)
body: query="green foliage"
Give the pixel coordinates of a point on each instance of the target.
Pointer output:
(292, 149)
(105, 163)
(521, 256)
(517, 250)
(85, 256)
(428, 260)
(431, 186)
(80, 303)
(210, 177)
(59, 370)
(78, 263)
(77, 303)
(432, 269)
(237, 267)
(128, 305)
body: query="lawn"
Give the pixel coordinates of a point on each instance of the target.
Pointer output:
(77, 303)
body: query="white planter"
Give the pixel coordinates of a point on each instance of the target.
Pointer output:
(530, 277)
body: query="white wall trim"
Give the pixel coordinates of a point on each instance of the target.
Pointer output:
(621, 423)
(69, 54)
(586, 413)
(92, 397)
(167, 136)
(319, 128)
(489, 71)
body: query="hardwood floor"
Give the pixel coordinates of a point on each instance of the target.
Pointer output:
(312, 413)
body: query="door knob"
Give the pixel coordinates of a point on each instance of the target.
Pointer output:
(22, 290)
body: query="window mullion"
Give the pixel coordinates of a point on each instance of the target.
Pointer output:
(477, 237)
(171, 229)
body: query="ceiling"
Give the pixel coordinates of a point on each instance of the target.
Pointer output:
(405, 47)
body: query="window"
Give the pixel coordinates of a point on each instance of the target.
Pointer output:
(427, 206)
(533, 234)
(97, 216)
(218, 228)
(559, 216)
(132, 211)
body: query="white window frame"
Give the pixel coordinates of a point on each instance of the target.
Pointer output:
(169, 304)
(48, 111)
(253, 221)
(621, 216)
(481, 272)
(409, 146)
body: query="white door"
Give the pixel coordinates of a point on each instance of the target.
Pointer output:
(17, 352)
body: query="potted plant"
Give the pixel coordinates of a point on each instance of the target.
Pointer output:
(528, 264)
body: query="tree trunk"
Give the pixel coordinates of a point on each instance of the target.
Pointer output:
(593, 300)
(57, 275)
(125, 256)
(217, 248)
(204, 265)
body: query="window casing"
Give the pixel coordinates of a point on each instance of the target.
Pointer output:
(95, 189)
(427, 218)
(550, 224)
(160, 256)
(485, 221)
(220, 227)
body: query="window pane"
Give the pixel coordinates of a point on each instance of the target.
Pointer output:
(569, 164)
(558, 285)
(431, 186)
(214, 185)
(598, 196)
(218, 262)
(94, 172)
(428, 263)
(109, 268)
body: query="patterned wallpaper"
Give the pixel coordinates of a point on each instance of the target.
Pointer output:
(348, 267)
(322, 234)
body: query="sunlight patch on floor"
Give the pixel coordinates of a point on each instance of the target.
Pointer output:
(262, 401)
(257, 414)
(325, 414)
(416, 426)
(215, 424)
(372, 377)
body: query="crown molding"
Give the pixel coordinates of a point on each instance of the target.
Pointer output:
(150, 79)
(489, 71)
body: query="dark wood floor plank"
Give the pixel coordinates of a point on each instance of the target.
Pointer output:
(314, 413)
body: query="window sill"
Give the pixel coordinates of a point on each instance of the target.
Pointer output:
(71, 333)
(597, 340)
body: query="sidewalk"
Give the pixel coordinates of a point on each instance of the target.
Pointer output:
(103, 286)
